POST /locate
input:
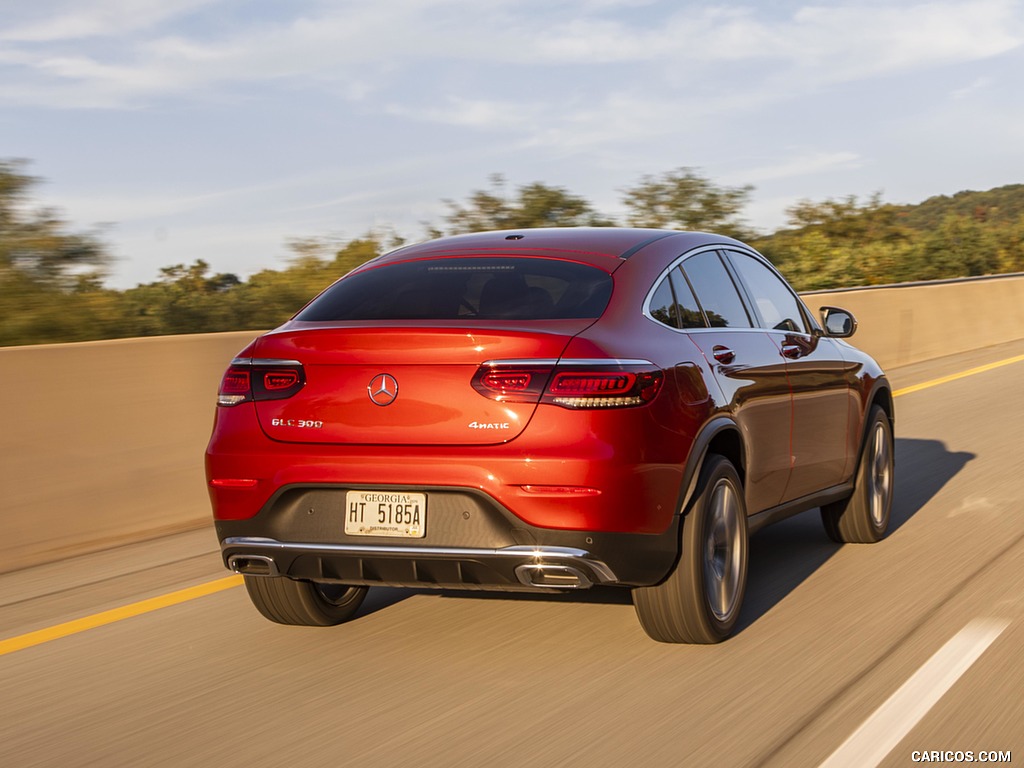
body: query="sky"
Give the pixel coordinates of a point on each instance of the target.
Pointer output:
(222, 129)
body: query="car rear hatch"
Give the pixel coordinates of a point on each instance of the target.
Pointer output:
(388, 383)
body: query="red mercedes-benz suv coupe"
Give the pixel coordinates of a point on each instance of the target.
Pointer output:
(545, 409)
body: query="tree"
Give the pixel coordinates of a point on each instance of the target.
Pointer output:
(960, 246)
(840, 243)
(682, 199)
(45, 271)
(532, 205)
(35, 243)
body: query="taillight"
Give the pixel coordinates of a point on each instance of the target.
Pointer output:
(512, 381)
(580, 384)
(235, 387)
(256, 379)
(604, 389)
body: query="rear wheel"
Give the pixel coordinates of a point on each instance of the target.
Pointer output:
(700, 600)
(303, 603)
(864, 516)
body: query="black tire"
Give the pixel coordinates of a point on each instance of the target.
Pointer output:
(863, 517)
(700, 600)
(303, 603)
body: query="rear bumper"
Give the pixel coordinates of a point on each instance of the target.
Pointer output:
(471, 541)
(462, 568)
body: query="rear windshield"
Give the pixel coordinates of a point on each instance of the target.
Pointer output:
(466, 288)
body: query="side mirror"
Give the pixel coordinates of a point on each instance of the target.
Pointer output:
(838, 323)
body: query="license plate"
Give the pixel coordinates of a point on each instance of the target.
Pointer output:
(386, 513)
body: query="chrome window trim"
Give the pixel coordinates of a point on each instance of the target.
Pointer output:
(262, 361)
(520, 361)
(646, 310)
(646, 307)
(580, 361)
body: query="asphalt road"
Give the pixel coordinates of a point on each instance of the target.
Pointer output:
(841, 650)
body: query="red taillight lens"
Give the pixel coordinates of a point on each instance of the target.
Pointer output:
(275, 381)
(571, 384)
(605, 388)
(235, 387)
(507, 382)
(568, 384)
(511, 383)
(249, 379)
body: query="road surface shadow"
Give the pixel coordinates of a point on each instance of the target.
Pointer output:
(782, 556)
(380, 598)
(923, 467)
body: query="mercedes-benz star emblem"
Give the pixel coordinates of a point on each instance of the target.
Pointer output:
(383, 389)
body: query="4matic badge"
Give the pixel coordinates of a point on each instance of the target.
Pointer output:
(489, 425)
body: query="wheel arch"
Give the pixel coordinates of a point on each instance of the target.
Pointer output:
(880, 395)
(720, 436)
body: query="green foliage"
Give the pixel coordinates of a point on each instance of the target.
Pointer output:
(1000, 206)
(682, 199)
(846, 243)
(841, 243)
(533, 205)
(51, 280)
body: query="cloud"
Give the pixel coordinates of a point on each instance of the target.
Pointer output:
(62, 21)
(979, 84)
(806, 164)
(122, 53)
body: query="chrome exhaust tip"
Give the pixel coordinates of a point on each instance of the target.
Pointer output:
(552, 576)
(253, 565)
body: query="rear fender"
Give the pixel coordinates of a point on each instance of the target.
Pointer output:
(719, 427)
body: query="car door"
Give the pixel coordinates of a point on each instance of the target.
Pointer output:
(749, 369)
(817, 378)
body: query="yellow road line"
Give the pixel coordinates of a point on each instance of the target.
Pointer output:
(184, 595)
(955, 376)
(116, 614)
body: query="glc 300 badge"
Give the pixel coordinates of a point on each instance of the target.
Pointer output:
(383, 389)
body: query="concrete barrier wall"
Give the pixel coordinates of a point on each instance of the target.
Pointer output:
(906, 324)
(102, 442)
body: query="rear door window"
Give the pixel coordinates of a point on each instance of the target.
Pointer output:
(687, 309)
(663, 304)
(471, 288)
(716, 291)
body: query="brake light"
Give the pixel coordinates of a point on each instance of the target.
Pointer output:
(512, 381)
(507, 382)
(604, 389)
(275, 381)
(255, 379)
(234, 387)
(578, 384)
(591, 383)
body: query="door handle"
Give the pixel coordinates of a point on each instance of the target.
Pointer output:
(792, 351)
(722, 354)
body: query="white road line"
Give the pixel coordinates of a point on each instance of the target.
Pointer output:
(881, 732)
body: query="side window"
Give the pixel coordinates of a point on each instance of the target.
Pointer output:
(778, 307)
(663, 305)
(687, 308)
(716, 291)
